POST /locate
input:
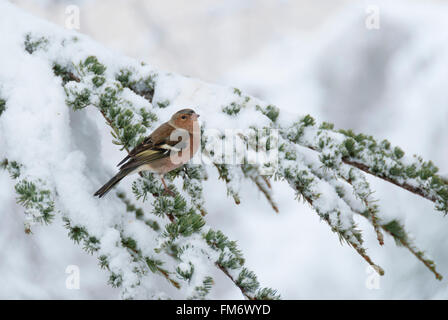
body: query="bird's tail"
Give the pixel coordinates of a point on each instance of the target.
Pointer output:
(112, 182)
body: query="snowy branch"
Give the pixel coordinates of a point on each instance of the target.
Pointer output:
(57, 165)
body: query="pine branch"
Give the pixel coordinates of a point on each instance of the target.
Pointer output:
(416, 190)
(328, 144)
(183, 222)
(243, 290)
(397, 231)
(394, 229)
(183, 240)
(370, 156)
(307, 185)
(261, 182)
(32, 194)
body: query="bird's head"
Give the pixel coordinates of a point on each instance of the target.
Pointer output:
(185, 119)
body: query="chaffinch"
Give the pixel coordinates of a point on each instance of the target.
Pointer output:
(171, 145)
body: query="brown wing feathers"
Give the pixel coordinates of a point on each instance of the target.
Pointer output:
(151, 149)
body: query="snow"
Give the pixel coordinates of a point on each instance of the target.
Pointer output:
(36, 98)
(55, 157)
(36, 131)
(407, 105)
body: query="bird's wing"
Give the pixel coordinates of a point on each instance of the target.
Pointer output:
(157, 137)
(156, 146)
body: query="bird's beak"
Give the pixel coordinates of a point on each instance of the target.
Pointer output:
(195, 116)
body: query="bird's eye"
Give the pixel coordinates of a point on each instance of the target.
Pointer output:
(184, 117)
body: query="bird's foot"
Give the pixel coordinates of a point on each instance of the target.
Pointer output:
(169, 192)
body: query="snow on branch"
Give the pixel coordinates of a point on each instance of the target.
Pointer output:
(53, 75)
(380, 159)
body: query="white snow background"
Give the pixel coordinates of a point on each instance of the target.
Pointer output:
(388, 82)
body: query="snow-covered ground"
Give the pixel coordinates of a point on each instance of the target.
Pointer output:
(388, 82)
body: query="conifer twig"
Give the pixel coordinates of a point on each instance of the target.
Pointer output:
(415, 190)
(359, 249)
(243, 290)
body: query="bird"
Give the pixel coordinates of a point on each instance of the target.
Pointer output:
(167, 148)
